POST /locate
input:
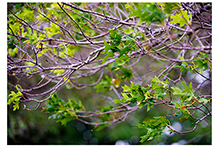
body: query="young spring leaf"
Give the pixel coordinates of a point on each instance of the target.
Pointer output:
(182, 18)
(14, 98)
(154, 127)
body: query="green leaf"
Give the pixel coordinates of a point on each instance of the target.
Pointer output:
(189, 88)
(149, 107)
(184, 66)
(169, 7)
(126, 88)
(140, 105)
(176, 66)
(14, 98)
(177, 105)
(107, 47)
(164, 84)
(156, 79)
(145, 137)
(62, 111)
(178, 91)
(103, 85)
(184, 115)
(100, 127)
(203, 100)
(65, 120)
(150, 138)
(148, 12)
(109, 54)
(117, 101)
(59, 71)
(13, 52)
(127, 73)
(125, 96)
(181, 58)
(182, 18)
(154, 127)
(129, 30)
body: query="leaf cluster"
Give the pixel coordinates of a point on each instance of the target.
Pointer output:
(118, 44)
(154, 127)
(62, 111)
(200, 64)
(187, 99)
(143, 95)
(14, 98)
(148, 12)
(182, 18)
